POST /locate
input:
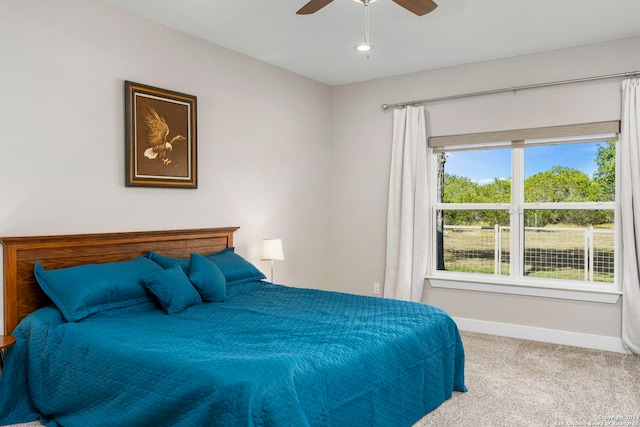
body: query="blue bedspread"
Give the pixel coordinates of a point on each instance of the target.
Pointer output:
(268, 356)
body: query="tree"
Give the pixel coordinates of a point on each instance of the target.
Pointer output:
(560, 184)
(459, 189)
(605, 175)
(564, 184)
(497, 191)
(556, 185)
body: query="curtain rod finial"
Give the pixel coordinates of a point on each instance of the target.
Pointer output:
(385, 106)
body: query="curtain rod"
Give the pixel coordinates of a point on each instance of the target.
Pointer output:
(510, 89)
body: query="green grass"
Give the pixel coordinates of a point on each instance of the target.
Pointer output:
(552, 255)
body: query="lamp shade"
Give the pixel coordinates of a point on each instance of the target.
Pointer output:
(272, 250)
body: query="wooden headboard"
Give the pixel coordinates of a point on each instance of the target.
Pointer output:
(22, 294)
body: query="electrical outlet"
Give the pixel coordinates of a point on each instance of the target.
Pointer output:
(376, 288)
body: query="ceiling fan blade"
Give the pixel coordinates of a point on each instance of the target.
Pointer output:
(419, 7)
(313, 6)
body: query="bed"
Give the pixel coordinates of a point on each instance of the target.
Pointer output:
(259, 354)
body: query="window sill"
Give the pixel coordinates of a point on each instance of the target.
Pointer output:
(505, 286)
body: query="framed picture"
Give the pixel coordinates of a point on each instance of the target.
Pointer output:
(161, 137)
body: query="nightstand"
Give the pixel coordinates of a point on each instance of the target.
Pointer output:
(6, 341)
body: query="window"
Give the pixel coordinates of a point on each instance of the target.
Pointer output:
(536, 207)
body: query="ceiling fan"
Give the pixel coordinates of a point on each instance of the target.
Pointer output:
(419, 7)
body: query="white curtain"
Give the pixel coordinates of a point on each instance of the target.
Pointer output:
(629, 229)
(408, 219)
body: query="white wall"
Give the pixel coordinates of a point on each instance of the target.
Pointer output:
(263, 135)
(279, 154)
(361, 157)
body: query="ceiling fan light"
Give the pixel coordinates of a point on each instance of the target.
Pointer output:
(365, 47)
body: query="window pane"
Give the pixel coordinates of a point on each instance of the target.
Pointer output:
(572, 246)
(473, 241)
(476, 176)
(559, 242)
(582, 172)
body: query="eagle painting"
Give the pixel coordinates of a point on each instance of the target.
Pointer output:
(158, 133)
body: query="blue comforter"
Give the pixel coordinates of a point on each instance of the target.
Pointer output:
(269, 355)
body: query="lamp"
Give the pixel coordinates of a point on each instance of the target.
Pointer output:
(271, 251)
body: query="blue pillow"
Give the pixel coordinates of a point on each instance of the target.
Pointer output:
(87, 289)
(172, 289)
(168, 262)
(235, 268)
(207, 278)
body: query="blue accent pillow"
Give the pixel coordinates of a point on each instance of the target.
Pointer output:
(91, 288)
(207, 278)
(172, 289)
(235, 268)
(168, 262)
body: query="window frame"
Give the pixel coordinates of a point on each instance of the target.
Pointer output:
(517, 282)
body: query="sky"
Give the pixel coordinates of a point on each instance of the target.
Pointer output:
(484, 166)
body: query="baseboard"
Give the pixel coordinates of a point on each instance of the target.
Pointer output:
(554, 336)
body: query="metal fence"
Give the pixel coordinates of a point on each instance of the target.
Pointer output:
(585, 254)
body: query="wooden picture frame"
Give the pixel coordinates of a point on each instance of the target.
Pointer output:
(161, 137)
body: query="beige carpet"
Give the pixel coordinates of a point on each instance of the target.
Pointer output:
(524, 383)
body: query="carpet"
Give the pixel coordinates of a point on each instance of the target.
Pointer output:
(516, 382)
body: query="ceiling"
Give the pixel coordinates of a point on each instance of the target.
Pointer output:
(321, 46)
